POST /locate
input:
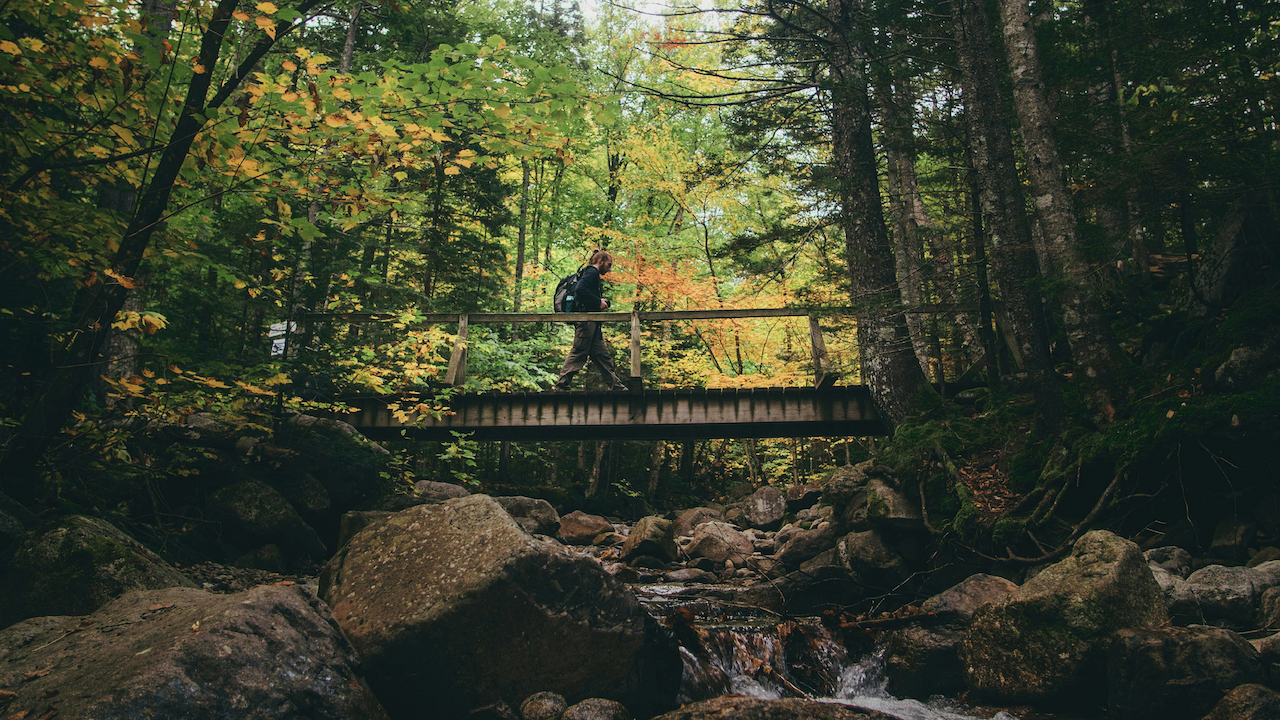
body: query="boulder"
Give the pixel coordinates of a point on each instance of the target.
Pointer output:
(75, 566)
(597, 709)
(1171, 558)
(737, 707)
(1269, 652)
(439, 491)
(1179, 599)
(718, 541)
(879, 505)
(1229, 595)
(579, 528)
(268, 558)
(543, 706)
(535, 515)
(357, 520)
(1172, 673)
(1231, 539)
(846, 481)
(1247, 702)
(651, 536)
(454, 606)
(870, 559)
(817, 514)
(1265, 555)
(253, 514)
(1049, 638)
(801, 545)
(493, 711)
(1269, 609)
(801, 497)
(609, 539)
(689, 520)
(921, 659)
(690, 575)
(268, 652)
(763, 508)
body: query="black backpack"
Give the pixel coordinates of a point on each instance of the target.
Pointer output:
(562, 301)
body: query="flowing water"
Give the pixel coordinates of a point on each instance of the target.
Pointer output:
(730, 647)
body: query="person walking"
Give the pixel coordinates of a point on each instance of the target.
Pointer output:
(588, 340)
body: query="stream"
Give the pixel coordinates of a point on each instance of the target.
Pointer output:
(730, 647)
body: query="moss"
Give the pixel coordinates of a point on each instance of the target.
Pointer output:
(966, 520)
(1005, 529)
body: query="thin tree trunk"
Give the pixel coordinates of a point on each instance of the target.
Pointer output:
(657, 452)
(597, 478)
(524, 225)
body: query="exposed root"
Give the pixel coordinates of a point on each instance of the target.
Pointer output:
(1080, 529)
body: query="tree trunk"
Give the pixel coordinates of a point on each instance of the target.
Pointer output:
(1086, 327)
(889, 368)
(524, 224)
(657, 453)
(597, 478)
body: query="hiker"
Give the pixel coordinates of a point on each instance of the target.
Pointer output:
(588, 340)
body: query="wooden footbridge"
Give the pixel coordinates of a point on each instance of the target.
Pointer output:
(821, 410)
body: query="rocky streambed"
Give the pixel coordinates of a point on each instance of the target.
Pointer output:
(466, 606)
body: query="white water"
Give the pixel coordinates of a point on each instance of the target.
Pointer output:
(863, 684)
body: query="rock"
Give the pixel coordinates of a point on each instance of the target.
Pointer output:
(767, 567)
(718, 542)
(872, 562)
(1269, 609)
(597, 709)
(1247, 702)
(846, 481)
(493, 711)
(543, 706)
(1048, 639)
(454, 606)
(689, 520)
(1179, 598)
(800, 497)
(1269, 653)
(690, 575)
(764, 545)
(268, 557)
(357, 520)
(1228, 595)
(1174, 672)
(737, 707)
(11, 529)
(824, 564)
(535, 515)
(816, 514)
(74, 567)
(703, 564)
(253, 514)
(647, 562)
(1171, 558)
(1231, 539)
(1247, 365)
(434, 491)
(609, 539)
(1265, 555)
(651, 536)
(269, 652)
(579, 528)
(879, 505)
(763, 508)
(802, 544)
(921, 660)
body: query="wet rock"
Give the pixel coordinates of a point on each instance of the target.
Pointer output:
(543, 706)
(609, 539)
(1228, 595)
(871, 560)
(535, 515)
(74, 567)
(1170, 558)
(1179, 598)
(1247, 702)
(718, 542)
(434, 491)
(763, 508)
(800, 497)
(579, 528)
(253, 514)
(801, 545)
(690, 575)
(651, 536)
(1049, 638)
(1231, 539)
(597, 709)
(737, 707)
(878, 504)
(689, 520)
(1265, 555)
(357, 520)
(270, 652)
(454, 606)
(1171, 673)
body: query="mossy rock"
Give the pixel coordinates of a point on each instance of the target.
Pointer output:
(76, 565)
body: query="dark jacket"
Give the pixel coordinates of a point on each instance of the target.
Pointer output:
(587, 293)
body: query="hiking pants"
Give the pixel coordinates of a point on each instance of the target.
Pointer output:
(589, 343)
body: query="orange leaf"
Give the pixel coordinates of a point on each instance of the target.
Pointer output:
(267, 26)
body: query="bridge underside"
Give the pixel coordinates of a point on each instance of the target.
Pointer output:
(646, 415)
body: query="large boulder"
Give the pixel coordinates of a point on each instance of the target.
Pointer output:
(848, 480)
(1179, 598)
(879, 504)
(533, 514)
(650, 537)
(800, 544)
(718, 542)
(689, 520)
(737, 707)
(579, 528)
(763, 508)
(1049, 638)
(876, 566)
(1229, 595)
(1172, 673)
(252, 514)
(434, 491)
(74, 567)
(921, 659)
(269, 652)
(802, 497)
(454, 607)
(1170, 558)
(1247, 702)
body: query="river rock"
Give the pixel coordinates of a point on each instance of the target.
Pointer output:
(543, 706)
(690, 575)
(737, 707)
(1170, 558)
(846, 481)
(689, 520)
(1265, 555)
(1049, 638)
(651, 536)
(718, 541)
(876, 566)
(1172, 673)
(535, 515)
(763, 508)
(1179, 598)
(579, 528)
(1229, 595)
(269, 652)
(1269, 609)
(74, 567)
(1231, 539)
(357, 520)
(454, 606)
(879, 505)
(1247, 702)
(800, 497)
(439, 491)
(597, 709)
(921, 659)
(253, 514)
(800, 545)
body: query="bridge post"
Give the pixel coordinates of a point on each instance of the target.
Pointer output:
(457, 372)
(637, 382)
(822, 375)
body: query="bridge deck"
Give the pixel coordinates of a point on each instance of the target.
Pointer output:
(648, 414)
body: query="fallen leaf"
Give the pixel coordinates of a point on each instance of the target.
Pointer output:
(49, 715)
(6, 695)
(195, 626)
(36, 674)
(160, 606)
(19, 715)
(284, 582)
(1169, 414)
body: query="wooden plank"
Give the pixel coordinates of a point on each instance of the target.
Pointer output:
(637, 383)
(457, 372)
(821, 363)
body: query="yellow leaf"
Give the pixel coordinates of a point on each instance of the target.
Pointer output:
(98, 62)
(289, 65)
(267, 26)
(452, 170)
(342, 93)
(239, 284)
(266, 7)
(175, 369)
(215, 383)
(198, 68)
(24, 87)
(335, 120)
(161, 381)
(402, 176)
(148, 373)
(34, 44)
(10, 47)
(241, 16)
(1169, 414)
(502, 111)
(124, 281)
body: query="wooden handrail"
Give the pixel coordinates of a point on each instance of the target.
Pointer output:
(645, 316)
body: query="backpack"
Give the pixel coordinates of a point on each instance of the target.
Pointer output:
(562, 301)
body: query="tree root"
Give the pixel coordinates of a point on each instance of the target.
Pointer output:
(1080, 529)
